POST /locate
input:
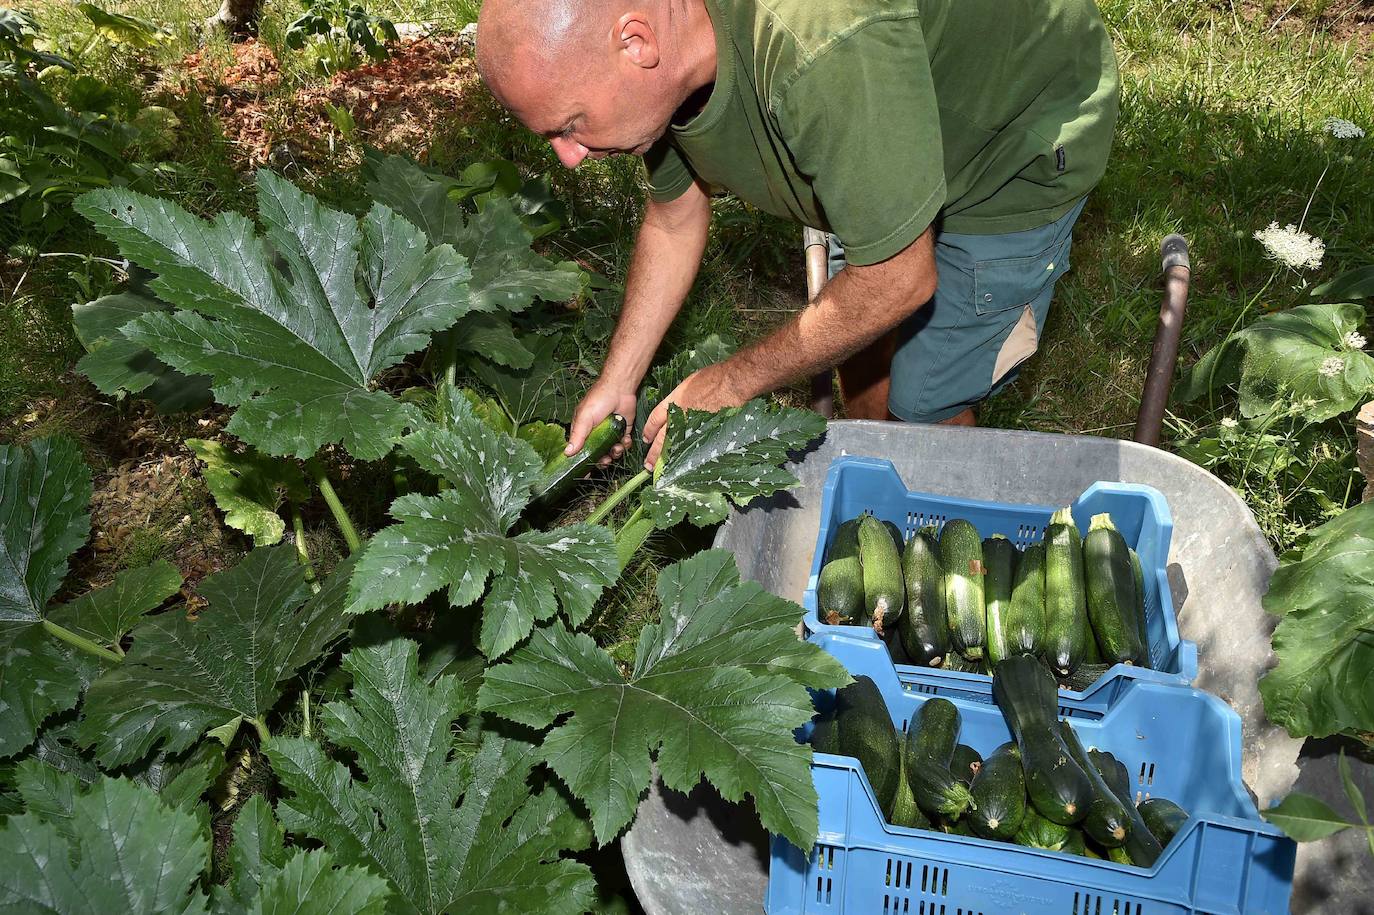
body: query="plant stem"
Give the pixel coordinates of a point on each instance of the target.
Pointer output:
(305, 712)
(303, 549)
(620, 495)
(632, 535)
(263, 733)
(85, 644)
(331, 498)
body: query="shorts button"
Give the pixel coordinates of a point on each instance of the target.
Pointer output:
(987, 297)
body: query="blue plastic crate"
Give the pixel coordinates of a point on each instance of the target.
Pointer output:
(858, 485)
(1175, 741)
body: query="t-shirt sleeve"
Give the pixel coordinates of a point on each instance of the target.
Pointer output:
(669, 176)
(862, 123)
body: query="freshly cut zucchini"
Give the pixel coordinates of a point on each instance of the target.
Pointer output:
(923, 628)
(840, 591)
(1067, 631)
(1110, 583)
(1142, 618)
(884, 590)
(999, 558)
(1107, 821)
(961, 557)
(563, 472)
(966, 763)
(1163, 818)
(999, 794)
(1038, 832)
(1141, 847)
(905, 811)
(1024, 618)
(865, 732)
(934, 731)
(1057, 785)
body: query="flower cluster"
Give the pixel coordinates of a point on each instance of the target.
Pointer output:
(1292, 246)
(1342, 129)
(1353, 340)
(1331, 367)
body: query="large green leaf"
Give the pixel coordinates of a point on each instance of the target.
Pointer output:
(717, 688)
(295, 326)
(506, 274)
(459, 836)
(121, 850)
(546, 389)
(665, 377)
(1352, 284)
(458, 539)
(712, 459)
(266, 880)
(118, 366)
(44, 493)
(107, 614)
(249, 487)
(1304, 818)
(1324, 681)
(184, 677)
(1300, 358)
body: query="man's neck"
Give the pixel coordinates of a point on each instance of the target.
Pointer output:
(699, 56)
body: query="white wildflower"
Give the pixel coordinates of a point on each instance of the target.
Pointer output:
(1229, 423)
(1353, 340)
(1342, 129)
(1331, 367)
(1292, 246)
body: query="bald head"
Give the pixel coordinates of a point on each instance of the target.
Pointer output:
(596, 77)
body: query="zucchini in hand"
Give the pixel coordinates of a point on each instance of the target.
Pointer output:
(884, 590)
(1110, 584)
(961, 557)
(923, 628)
(561, 473)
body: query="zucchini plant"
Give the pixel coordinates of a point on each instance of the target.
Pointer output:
(422, 797)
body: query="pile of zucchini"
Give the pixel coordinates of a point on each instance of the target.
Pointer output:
(1042, 789)
(949, 598)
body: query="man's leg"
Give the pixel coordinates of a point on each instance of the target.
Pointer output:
(984, 321)
(865, 379)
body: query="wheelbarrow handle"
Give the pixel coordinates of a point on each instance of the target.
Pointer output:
(816, 250)
(1164, 356)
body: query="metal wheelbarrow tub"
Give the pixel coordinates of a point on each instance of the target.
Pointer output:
(699, 854)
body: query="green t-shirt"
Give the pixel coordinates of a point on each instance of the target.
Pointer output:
(871, 118)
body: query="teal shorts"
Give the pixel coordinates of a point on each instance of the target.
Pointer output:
(991, 300)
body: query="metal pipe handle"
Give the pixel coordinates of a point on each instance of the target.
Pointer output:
(816, 251)
(1159, 377)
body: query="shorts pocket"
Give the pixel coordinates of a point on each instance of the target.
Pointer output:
(1012, 282)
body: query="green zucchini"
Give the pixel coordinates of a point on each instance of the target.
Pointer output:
(961, 557)
(1163, 818)
(923, 628)
(1107, 820)
(1057, 785)
(1083, 676)
(1024, 618)
(1110, 584)
(1141, 848)
(999, 560)
(905, 812)
(896, 533)
(933, 731)
(865, 732)
(966, 763)
(884, 590)
(564, 470)
(825, 736)
(895, 649)
(1141, 615)
(999, 794)
(1038, 832)
(1067, 631)
(1075, 844)
(938, 792)
(957, 662)
(840, 592)
(1119, 856)
(846, 542)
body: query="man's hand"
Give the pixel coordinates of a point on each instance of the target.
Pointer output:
(711, 388)
(601, 401)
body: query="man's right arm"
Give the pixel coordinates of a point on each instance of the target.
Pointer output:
(667, 254)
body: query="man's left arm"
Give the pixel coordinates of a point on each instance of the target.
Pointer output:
(857, 307)
(863, 124)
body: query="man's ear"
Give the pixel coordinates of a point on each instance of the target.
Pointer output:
(636, 39)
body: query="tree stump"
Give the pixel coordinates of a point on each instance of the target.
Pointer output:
(1364, 447)
(235, 17)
